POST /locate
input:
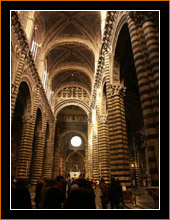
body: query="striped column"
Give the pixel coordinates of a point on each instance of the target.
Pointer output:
(150, 47)
(95, 159)
(15, 89)
(151, 38)
(86, 158)
(37, 160)
(119, 148)
(25, 149)
(103, 148)
(45, 159)
(51, 151)
(38, 152)
(46, 143)
(146, 93)
(153, 81)
(89, 162)
(119, 158)
(56, 162)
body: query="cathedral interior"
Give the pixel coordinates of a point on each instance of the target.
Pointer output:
(85, 97)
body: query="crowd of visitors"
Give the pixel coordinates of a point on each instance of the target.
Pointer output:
(20, 195)
(60, 193)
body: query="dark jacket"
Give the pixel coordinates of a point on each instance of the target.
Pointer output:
(53, 198)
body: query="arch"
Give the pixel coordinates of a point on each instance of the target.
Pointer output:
(22, 113)
(43, 112)
(25, 96)
(39, 120)
(26, 79)
(118, 28)
(68, 102)
(72, 153)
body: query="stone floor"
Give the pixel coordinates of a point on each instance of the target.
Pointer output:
(141, 200)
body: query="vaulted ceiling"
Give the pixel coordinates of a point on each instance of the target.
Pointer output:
(71, 45)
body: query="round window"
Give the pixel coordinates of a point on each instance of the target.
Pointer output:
(76, 141)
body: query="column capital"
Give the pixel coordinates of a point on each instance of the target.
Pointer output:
(39, 134)
(117, 89)
(103, 118)
(27, 118)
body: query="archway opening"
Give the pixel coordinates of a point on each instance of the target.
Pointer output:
(75, 166)
(126, 75)
(70, 136)
(22, 110)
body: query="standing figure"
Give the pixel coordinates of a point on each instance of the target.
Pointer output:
(21, 196)
(120, 191)
(104, 197)
(37, 198)
(114, 194)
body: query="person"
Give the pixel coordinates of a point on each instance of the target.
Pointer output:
(38, 189)
(104, 196)
(61, 183)
(21, 195)
(68, 185)
(79, 198)
(46, 186)
(87, 185)
(54, 197)
(120, 192)
(113, 194)
(74, 184)
(13, 183)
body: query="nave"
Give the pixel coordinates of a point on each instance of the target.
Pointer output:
(85, 98)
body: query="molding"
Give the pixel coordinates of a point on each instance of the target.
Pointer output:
(69, 102)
